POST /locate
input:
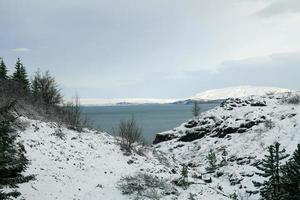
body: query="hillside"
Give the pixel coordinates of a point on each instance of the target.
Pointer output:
(237, 92)
(239, 132)
(89, 164)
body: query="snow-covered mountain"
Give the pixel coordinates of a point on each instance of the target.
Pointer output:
(88, 165)
(108, 102)
(209, 95)
(237, 92)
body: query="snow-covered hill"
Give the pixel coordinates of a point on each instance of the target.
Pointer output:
(239, 132)
(88, 165)
(237, 92)
(108, 102)
(209, 95)
(71, 165)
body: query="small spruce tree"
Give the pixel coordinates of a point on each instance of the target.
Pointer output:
(3, 70)
(270, 167)
(291, 177)
(212, 161)
(12, 161)
(183, 180)
(20, 75)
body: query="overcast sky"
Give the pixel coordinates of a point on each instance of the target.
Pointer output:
(154, 48)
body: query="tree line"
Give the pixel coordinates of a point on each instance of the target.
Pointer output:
(37, 97)
(41, 93)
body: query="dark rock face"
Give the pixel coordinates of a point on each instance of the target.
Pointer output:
(163, 137)
(259, 104)
(231, 103)
(191, 124)
(192, 136)
(225, 124)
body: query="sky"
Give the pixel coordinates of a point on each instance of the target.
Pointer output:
(154, 48)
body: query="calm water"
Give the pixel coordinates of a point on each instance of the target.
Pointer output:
(152, 118)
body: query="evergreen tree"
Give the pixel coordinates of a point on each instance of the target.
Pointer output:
(271, 188)
(20, 75)
(3, 70)
(291, 177)
(212, 161)
(12, 160)
(196, 109)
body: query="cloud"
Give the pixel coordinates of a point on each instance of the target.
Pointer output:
(21, 50)
(277, 7)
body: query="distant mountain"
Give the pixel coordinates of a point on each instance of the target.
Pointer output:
(208, 96)
(237, 92)
(125, 101)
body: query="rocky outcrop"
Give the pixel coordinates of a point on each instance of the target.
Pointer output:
(163, 137)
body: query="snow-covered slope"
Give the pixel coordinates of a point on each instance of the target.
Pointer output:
(239, 132)
(237, 92)
(88, 165)
(81, 166)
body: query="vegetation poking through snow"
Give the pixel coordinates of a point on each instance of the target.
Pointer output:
(183, 180)
(45, 89)
(145, 186)
(291, 177)
(212, 161)
(12, 159)
(271, 169)
(129, 133)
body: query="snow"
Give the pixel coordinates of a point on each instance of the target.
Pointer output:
(88, 165)
(237, 92)
(108, 102)
(215, 94)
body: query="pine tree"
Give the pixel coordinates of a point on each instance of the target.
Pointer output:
(20, 75)
(196, 109)
(291, 177)
(212, 161)
(3, 70)
(12, 160)
(271, 188)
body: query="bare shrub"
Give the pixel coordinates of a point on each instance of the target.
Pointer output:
(72, 115)
(295, 99)
(45, 89)
(129, 133)
(145, 186)
(269, 124)
(59, 133)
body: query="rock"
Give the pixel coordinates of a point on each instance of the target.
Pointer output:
(292, 115)
(191, 124)
(163, 137)
(192, 136)
(207, 180)
(259, 104)
(235, 181)
(129, 162)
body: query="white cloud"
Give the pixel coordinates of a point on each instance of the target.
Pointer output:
(22, 49)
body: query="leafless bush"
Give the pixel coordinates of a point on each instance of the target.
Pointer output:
(145, 186)
(45, 89)
(72, 115)
(129, 133)
(269, 124)
(295, 99)
(59, 133)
